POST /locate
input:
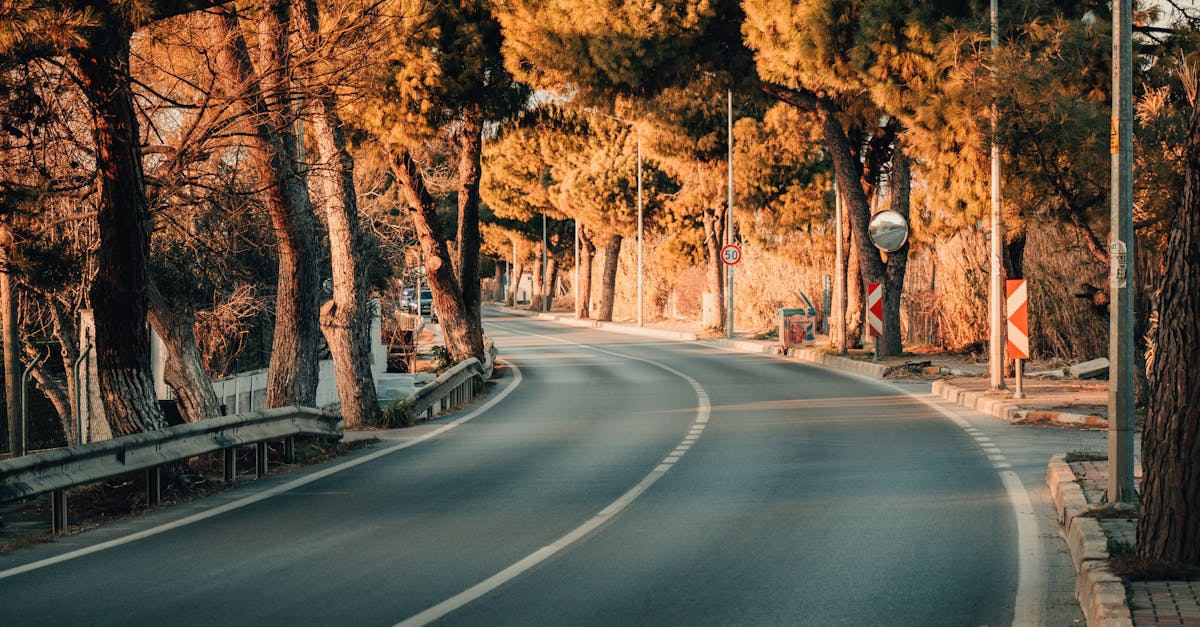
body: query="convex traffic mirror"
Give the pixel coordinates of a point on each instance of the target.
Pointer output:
(888, 230)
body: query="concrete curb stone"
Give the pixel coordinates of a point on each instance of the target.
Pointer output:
(1005, 409)
(1101, 594)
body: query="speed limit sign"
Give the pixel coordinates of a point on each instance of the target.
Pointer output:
(731, 254)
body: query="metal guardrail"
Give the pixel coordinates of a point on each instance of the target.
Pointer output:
(56, 470)
(457, 385)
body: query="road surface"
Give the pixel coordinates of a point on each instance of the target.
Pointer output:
(606, 480)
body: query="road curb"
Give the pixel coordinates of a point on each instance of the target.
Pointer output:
(1100, 593)
(1007, 409)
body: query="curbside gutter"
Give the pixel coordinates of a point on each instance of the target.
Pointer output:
(870, 369)
(1101, 594)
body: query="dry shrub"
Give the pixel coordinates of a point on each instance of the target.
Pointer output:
(1062, 326)
(946, 292)
(221, 331)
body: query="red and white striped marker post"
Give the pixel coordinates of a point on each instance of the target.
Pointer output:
(1018, 328)
(875, 313)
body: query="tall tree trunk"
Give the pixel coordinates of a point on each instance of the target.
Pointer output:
(855, 297)
(587, 251)
(517, 271)
(551, 281)
(184, 369)
(346, 319)
(498, 282)
(1168, 529)
(608, 278)
(536, 302)
(61, 393)
(12, 344)
(714, 237)
(470, 145)
(461, 338)
(270, 143)
(118, 293)
(900, 182)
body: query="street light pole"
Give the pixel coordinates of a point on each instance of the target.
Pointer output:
(996, 290)
(729, 219)
(576, 280)
(1121, 270)
(641, 212)
(839, 274)
(545, 296)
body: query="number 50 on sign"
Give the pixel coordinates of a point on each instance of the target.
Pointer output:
(731, 254)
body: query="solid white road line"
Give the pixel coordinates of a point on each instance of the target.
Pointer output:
(266, 494)
(703, 410)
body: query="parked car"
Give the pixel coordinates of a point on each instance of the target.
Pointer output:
(426, 304)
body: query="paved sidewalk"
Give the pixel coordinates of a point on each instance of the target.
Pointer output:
(1079, 486)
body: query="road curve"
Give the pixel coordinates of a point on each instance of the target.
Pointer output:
(623, 481)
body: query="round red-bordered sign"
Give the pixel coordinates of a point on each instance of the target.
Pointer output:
(731, 254)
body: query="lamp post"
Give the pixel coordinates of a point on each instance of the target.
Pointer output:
(996, 290)
(640, 211)
(1121, 271)
(729, 221)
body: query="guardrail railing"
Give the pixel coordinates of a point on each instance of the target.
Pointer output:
(56, 470)
(457, 385)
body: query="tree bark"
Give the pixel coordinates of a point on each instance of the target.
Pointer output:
(184, 369)
(855, 297)
(1168, 529)
(583, 305)
(346, 319)
(498, 283)
(551, 281)
(900, 181)
(608, 278)
(517, 271)
(118, 293)
(536, 302)
(714, 236)
(470, 146)
(270, 143)
(461, 338)
(12, 354)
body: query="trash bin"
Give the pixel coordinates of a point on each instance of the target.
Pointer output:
(797, 326)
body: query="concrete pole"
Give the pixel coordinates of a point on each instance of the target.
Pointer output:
(839, 274)
(1121, 267)
(575, 281)
(512, 275)
(996, 290)
(641, 212)
(545, 260)
(729, 223)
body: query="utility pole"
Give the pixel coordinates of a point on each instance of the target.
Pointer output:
(575, 282)
(839, 274)
(996, 290)
(729, 223)
(640, 209)
(1121, 270)
(545, 257)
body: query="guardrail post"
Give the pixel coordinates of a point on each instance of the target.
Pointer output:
(260, 459)
(58, 511)
(154, 485)
(230, 464)
(289, 449)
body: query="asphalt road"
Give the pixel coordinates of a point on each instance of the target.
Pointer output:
(607, 480)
